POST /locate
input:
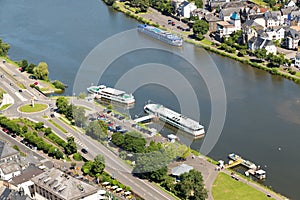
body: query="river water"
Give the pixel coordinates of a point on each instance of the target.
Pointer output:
(262, 119)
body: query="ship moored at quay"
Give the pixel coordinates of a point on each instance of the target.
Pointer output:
(161, 35)
(111, 94)
(175, 119)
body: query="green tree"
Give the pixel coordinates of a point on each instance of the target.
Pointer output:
(30, 68)
(41, 71)
(87, 167)
(134, 142)
(117, 139)
(200, 27)
(169, 184)
(79, 116)
(4, 47)
(199, 3)
(23, 64)
(62, 104)
(96, 130)
(71, 146)
(191, 186)
(98, 165)
(152, 165)
(59, 85)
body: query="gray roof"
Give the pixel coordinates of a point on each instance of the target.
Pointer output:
(6, 150)
(26, 175)
(211, 18)
(8, 194)
(295, 13)
(63, 185)
(289, 32)
(250, 23)
(272, 15)
(235, 4)
(286, 11)
(183, 168)
(260, 42)
(10, 167)
(256, 16)
(229, 11)
(298, 56)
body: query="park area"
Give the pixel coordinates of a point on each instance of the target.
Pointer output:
(226, 187)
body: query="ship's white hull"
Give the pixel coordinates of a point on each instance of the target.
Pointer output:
(161, 38)
(176, 125)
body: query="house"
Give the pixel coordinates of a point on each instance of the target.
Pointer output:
(23, 181)
(185, 9)
(9, 170)
(212, 22)
(9, 194)
(297, 60)
(261, 43)
(8, 153)
(285, 14)
(226, 13)
(213, 4)
(224, 29)
(290, 4)
(275, 33)
(250, 29)
(55, 184)
(176, 3)
(273, 18)
(292, 38)
(181, 169)
(259, 19)
(200, 13)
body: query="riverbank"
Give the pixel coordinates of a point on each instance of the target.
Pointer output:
(207, 44)
(46, 87)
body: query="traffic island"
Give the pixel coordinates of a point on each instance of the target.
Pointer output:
(31, 108)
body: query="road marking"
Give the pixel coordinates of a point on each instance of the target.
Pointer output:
(20, 96)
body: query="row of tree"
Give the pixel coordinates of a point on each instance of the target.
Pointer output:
(71, 112)
(94, 168)
(151, 162)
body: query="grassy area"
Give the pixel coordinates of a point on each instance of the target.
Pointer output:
(260, 2)
(5, 106)
(225, 187)
(207, 42)
(37, 107)
(67, 123)
(85, 108)
(57, 126)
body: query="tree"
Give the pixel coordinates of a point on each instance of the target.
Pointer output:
(98, 165)
(200, 27)
(95, 129)
(169, 184)
(59, 85)
(134, 142)
(41, 71)
(86, 167)
(261, 53)
(191, 186)
(71, 147)
(23, 64)
(30, 68)
(117, 139)
(152, 165)
(4, 47)
(79, 116)
(62, 104)
(199, 3)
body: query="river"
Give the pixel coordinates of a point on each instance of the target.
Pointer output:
(262, 118)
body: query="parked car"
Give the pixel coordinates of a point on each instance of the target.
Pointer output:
(121, 118)
(52, 115)
(169, 21)
(14, 135)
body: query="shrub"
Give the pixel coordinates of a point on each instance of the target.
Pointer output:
(59, 85)
(77, 157)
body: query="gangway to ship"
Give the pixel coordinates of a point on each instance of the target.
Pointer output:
(144, 118)
(234, 163)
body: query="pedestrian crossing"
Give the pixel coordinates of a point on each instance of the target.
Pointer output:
(77, 141)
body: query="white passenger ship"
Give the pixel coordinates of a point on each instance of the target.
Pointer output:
(103, 92)
(160, 34)
(175, 119)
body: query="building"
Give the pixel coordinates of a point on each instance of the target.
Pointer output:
(213, 4)
(212, 22)
(9, 194)
(185, 9)
(7, 153)
(183, 168)
(176, 3)
(55, 184)
(250, 29)
(275, 33)
(292, 38)
(23, 181)
(261, 43)
(297, 60)
(226, 13)
(225, 28)
(273, 18)
(9, 170)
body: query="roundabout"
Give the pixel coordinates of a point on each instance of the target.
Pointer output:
(29, 108)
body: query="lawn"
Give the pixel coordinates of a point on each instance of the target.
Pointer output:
(5, 106)
(58, 126)
(37, 107)
(225, 187)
